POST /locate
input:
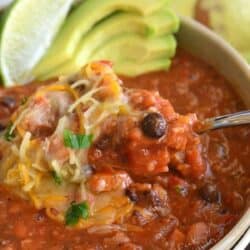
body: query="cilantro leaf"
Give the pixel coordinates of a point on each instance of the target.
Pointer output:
(182, 190)
(56, 177)
(76, 141)
(8, 134)
(24, 100)
(76, 212)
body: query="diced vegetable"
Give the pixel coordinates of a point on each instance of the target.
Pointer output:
(9, 135)
(56, 177)
(76, 141)
(76, 212)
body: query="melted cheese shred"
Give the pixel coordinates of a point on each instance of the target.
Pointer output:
(30, 159)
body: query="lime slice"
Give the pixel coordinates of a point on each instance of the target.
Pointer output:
(4, 3)
(27, 33)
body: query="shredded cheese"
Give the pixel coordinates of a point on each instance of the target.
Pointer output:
(30, 159)
(24, 146)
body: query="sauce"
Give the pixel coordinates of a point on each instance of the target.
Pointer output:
(197, 218)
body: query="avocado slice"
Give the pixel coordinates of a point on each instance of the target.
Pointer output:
(160, 22)
(82, 19)
(129, 46)
(137, 48)
(132, 68)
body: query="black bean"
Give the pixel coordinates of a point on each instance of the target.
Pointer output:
(154, 125)
(132, 195)
(2, 127)
(8, 101)
(209, 193)
(88, 170)
(39, 216)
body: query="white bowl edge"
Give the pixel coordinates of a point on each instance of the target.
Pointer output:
(208, 46)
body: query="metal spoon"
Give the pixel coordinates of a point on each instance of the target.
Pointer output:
(230, 120)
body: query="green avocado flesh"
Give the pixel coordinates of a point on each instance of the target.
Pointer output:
(83, 19)
(132, 68)
(137, 48)
(124, 30)
(126, 47)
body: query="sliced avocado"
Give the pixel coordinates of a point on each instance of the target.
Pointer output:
(137, 48)
(128, 46)
(82, 19)
(161, 22)
(132, 68)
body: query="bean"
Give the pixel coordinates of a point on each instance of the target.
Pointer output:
(2, 127)
(132, 195)
(154, 125)
(8, 101)
(209, 193)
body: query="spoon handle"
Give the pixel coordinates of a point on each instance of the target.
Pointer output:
(224, 121)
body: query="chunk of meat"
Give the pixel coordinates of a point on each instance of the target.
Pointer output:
(159, 198)
(144, 100)
(176, 240)
(147, 143)
(43, 111)
(142, 216)
(154, 200)
(146, 156)
(194, 158)
(56, 150)
(130, 246)
(180, 132)
(40, 120)
(116, 240)
(164, 227)
(197, 234)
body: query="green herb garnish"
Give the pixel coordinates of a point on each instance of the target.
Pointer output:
(57, 178)
(9, 135)
(76, 141)
(181, 190)
(24, 100)
(76, 212)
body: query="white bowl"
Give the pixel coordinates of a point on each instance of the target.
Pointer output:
(206, 45)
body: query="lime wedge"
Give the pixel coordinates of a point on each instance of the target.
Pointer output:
(28, 31)
(4, 3)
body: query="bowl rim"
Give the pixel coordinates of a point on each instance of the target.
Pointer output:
(214, 50)
(221, 42)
